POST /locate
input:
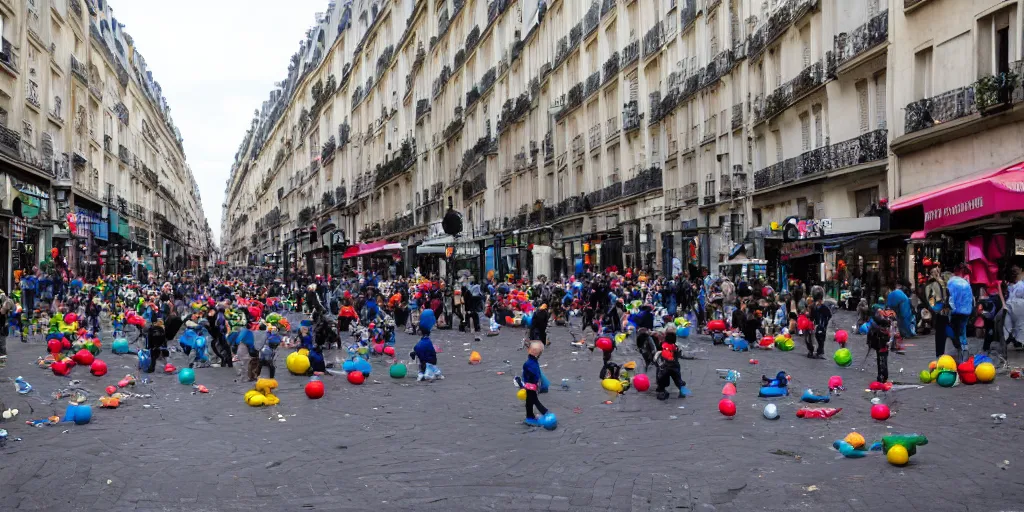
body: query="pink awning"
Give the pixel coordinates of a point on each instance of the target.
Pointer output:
(370, 248)
(988, 194)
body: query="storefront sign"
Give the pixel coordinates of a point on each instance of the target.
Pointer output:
(798, 250)
(809, 229)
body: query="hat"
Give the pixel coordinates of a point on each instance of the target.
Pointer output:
(543, 306)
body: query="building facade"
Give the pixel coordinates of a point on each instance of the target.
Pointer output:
(91, 160)
(617, 133)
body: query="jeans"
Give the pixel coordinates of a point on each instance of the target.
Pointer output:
(940, 322)
(531, 402)
(959, 323)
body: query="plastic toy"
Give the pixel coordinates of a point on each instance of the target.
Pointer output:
(170, 368)
(781, 380)
(811, 398)
(521, 394)
(740, 345)
(53, 346)
(119, 346)
(855, 439)
(398, 371)
(925, 376)
(766, 343)
(771, 412)
(187, 376)
(842, 336)
(83, 357)
(108, 402)
(82, 414)
(803, 323)
(965, 371)
(786, 345)
(946, 362)
(897, 456)
(356, 377)
(60, 369)
(843, 357)
(620, 337)
(315, 389)
(727, 407)
(985, 372)
(549, 421)
(641, 382)
(111, 390)
(297, 364)
(716, 325)
(683, 331)
(910, 442)
(98, 368)
(880, 412)
(474, 357)
(729, 389)
(772, 392)
(835, 384)
(817, 413)
(614, 385)
(848, 450)
(946, 378)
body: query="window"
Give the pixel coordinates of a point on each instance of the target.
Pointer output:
(819, 139)
(805, 45)
(736, 227)
(923, 73)
(756, 213)
(862, 105)
(864, 198)
(880, 101)
(777, 62)
(801, 206)
(805, 132)
(872, 8)
(997, 40)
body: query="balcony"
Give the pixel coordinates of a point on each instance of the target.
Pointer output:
(612, 128)
(607, 6)
(654, 39)
(592, 19)
(605, 195)
(688, 194)
(776, 25)
(611, 67)
(399, 225)
(646, 181)
(631, 116)
(475, 185)
(401, 162)
(122, 153)
(945, 107)
(10, 142)
(79, 70)
(631, 53)
(454, 126)
(870, 147)
(570, 206)
(716, 69)
(595, 137)
(422, 109)
(593, 83)
(710, 130)
(328, 151)
(863, 38)
(687, 14)
(7, 57)
(513, 111)
(780, 99)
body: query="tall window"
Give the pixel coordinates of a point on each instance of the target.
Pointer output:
(862, 105)
(819, 139)
(880, 101)
(778, 145)
(805, 132)
(923, 73)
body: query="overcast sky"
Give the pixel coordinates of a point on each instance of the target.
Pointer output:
(217, 61)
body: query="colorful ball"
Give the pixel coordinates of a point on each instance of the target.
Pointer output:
(897, 455)
(70, 318)
(98, 368)
(947, 378)
(880, 412)
(378, 348)
(986, 372)
(716, 325)
(771, 412)
(356, 377)
(604, 344)
(521, 395)
(854, 439)
(843, 357)
(474, 357)
(786, 345)
(549, 421)
(946, 362)
(935, 374)
(389, 351)
(83, 357)
(111, 390)
(614, 385)
(727, 407)
(933, 365)
(398, 371)
(297, 364)
(925, 376)
(255, 399)
(641, 382)
(842, 336)
(187, 376)
(83, 414)
(53, 346)
(683, 332)
(315, 389)
(969, 378)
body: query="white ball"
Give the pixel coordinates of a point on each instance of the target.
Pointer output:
(771, 412)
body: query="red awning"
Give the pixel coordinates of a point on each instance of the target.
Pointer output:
(987, 194)
(364, 249)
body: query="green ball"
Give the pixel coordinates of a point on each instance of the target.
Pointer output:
(398, 371)
(935, 374)
(843, 357)
(946, 379)
(786, 345)
(926, 376)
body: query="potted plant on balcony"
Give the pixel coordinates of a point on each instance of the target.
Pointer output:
(994, 93)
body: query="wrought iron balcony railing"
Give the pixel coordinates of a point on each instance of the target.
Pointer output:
(870, 147)
(945, 107)
(631, 116)
(780, 99)
(862, 38)
(647, 180)
(776, 25)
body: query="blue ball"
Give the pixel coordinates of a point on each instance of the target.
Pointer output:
(187, 376)
(549, 421)
(363, 365)
(349, 366)
(83, 414)
(683, 332)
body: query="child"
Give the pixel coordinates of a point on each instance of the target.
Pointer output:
(424, 351)
(305, 337)
(878, 340)
(668, 367)
(316, 360)
(530, 381)
(821, 315)
(156, 341)
(750, 323)
(253, 367)
(268, 353)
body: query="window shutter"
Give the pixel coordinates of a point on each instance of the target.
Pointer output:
(880, 101)
(862, 105)
(805, 132)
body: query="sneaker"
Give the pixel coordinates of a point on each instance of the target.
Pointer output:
(533, 422)
(684, 392)
(419, 377)
(819, 356)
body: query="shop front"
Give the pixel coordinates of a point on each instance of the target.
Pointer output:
(680, 250)
(89, 238)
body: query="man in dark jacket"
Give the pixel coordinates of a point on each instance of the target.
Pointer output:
(539, 325)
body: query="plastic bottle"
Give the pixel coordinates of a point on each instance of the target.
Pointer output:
(22, 386)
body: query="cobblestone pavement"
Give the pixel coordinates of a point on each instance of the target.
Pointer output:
(459, 444)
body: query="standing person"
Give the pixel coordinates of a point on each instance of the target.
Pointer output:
(530, 380)
(156, 342)
(938, 303)
(29, 284)
(961, 305)
(6, 307)
(539, 325)
(473, 305)
(218, 340)
(821, 315)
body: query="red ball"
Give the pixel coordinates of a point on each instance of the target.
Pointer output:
(54, 346)
(880, 412)
(65, 344)
(356, 377)
(70, 318)
(604, 344)
(111, 390)
(169, 368)
(716, 325)
(389, 351)
(842, 336)
(641, 382)
(98, 368)
(803, 323)
(60, 368)
(727, 407)
(875, 386)
(378, 348)
(969, 378)
(83, 357)
(315, 389)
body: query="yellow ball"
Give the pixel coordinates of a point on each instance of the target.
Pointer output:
(266, 385)
(947, 362)
(614, 385)
(854, 439)
(521, 395)
(297, 363)
(986, 372)
(256, 400)
(897, 455)
(303, 351)
(251, 393)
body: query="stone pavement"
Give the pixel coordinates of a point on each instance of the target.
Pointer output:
(459, 444)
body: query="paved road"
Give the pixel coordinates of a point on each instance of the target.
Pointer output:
(460, 444)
